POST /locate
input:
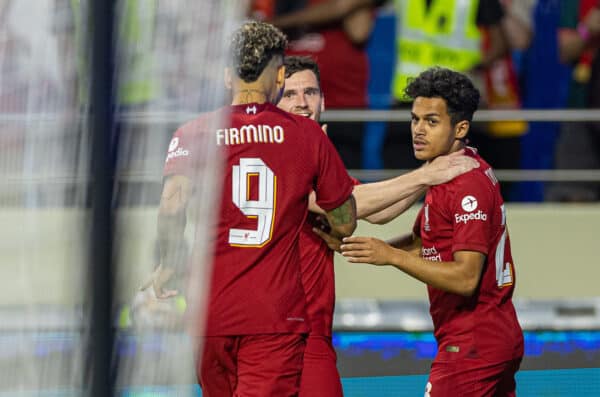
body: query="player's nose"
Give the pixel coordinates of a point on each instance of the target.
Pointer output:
(302, 102)
(419, 127)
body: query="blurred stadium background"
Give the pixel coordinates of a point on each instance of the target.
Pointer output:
(80, 184)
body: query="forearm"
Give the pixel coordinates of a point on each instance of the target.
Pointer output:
(517, 33)
(358, 25)
(377, 196)
(498, 46)
(170, 235)
(319, 14)
(451, 277)
(395, 210)
(407, 242)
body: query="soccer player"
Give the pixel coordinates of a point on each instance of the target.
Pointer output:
(459, 247)
(256, 324)
(302, 95)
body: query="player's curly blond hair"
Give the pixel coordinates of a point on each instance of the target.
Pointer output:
(253, 46)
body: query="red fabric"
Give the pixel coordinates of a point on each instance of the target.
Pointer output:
(257, 289)
(318, 278)
(466, 214)
(343, 65)
(472, 378)
(251, 366)
(320, 377)
(263, 9)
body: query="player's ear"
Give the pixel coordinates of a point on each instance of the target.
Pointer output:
(461, 129)
(227, 78)
(322, 103)
(280, 77)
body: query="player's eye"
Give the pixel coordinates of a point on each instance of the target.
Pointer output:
(288, 94)
(312, 91)
(432, 121)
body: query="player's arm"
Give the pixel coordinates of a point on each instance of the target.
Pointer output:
(397, 194)
(386, 215)
(380, 202)
(342, 219)
(460, 276)
(355, 15)
(498, 46)
(409, 242)
(517, 24)
(174, 199)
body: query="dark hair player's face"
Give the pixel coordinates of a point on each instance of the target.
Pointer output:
(431, 126)
(302, 95)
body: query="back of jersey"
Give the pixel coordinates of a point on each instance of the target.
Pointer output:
(273, 161)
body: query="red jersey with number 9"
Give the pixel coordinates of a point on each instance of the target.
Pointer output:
(273, 161)
(467, 214)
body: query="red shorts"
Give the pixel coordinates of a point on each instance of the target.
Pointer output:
(251, 365)
(320, 377)
(472, 377)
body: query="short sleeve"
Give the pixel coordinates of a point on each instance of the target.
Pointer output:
(472, 207)
(333, 185)
(183, 152)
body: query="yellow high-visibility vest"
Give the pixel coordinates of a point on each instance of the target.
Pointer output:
(444, 35)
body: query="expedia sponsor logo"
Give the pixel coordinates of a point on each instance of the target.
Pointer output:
(177, 153)
(473, 216)
(173, 144)
(431, 254)
(469, 203)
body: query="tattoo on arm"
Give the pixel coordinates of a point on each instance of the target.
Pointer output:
(344, 215)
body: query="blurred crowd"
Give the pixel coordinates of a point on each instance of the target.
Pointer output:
(524, 54)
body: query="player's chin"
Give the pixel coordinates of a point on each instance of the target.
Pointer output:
(423, 155)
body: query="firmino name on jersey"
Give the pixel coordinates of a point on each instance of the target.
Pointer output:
(250, 134)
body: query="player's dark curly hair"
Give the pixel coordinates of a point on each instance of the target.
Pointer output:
(253, 46)
(295, 63)
(461, 96)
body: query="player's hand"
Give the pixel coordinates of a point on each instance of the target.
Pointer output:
(157, 280)
(332, 242)
(367, 250)
(445, 168)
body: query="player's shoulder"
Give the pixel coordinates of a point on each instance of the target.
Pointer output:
(201, 122)
(477, 177)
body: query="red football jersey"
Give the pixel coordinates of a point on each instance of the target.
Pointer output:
(467, 214)
(273, 161)
(318, 278)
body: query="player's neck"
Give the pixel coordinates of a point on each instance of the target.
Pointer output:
(457, 145)
(249, 95)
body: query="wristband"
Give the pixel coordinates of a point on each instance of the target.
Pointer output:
(583, 31)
